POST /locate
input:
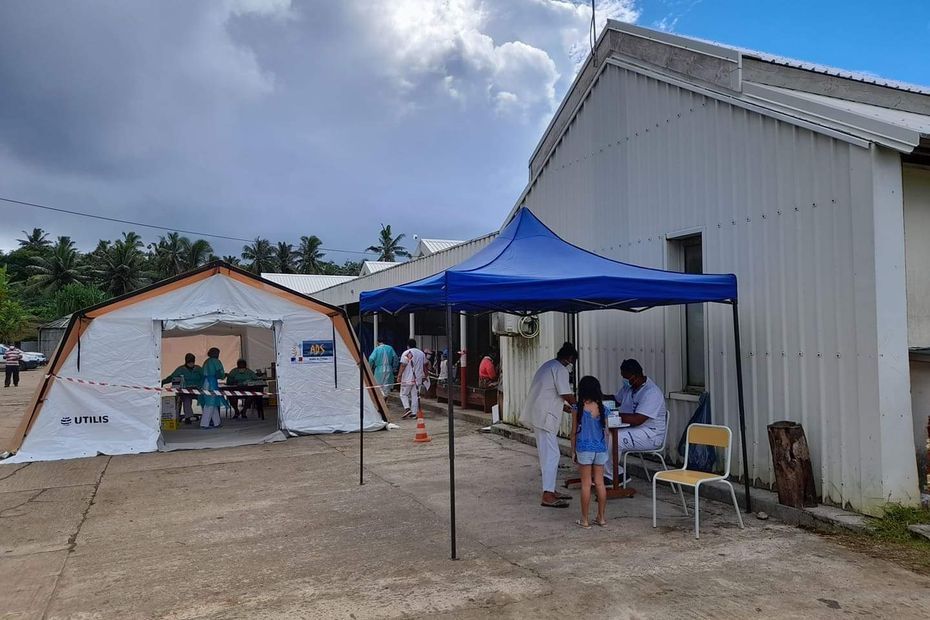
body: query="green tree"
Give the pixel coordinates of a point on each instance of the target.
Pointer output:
(389, 247)
(284, 258)
(37, 240)
(13, 316)
(259, 255)
(74, 297)
(122, 266)
(62, 266)
(309, 255)
(168, 255)
(197, 253)
(232, 260)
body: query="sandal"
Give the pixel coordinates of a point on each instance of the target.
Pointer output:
(559, 503)
(582, 524)
(601, 523)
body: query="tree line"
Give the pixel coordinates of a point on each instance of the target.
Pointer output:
(42, 279)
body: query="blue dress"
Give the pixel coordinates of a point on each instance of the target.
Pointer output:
(590, 432)
(212, 373)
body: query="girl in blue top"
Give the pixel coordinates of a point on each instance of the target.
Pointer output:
(589, 445)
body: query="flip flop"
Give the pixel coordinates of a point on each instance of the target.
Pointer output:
(601, 523)
(559, 503)
(582, 524)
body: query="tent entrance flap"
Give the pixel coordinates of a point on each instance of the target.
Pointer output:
(206, 321)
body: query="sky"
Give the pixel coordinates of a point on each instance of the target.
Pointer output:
(282, 118)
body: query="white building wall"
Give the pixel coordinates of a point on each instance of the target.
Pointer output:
(790, 212)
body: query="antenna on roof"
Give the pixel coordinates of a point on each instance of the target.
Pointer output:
(593, 34)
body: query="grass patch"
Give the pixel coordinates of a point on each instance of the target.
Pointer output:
(893, 524)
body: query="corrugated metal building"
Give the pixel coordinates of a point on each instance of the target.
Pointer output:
(306, 284)
(425, 247)
(50, 335)
(811, 185)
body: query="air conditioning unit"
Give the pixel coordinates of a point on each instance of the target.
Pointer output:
(510, 325)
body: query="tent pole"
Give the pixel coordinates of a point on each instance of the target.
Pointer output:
(742, 407)
(451, 434)
(361, 420)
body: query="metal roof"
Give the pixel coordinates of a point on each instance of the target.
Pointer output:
(374, 266)
(305, 284)
(61, 323)
(857, 76)
(430, 246)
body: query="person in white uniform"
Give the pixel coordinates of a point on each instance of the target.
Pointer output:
(549, 394)
(642, 405)
(411, 376)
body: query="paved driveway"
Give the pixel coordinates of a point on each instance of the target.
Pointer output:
(284, 531)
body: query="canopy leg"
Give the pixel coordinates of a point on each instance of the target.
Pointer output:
(742, 407)
(451, 437)
(361, 422)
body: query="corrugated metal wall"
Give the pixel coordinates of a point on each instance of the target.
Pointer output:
(410, 271)
(789, 211)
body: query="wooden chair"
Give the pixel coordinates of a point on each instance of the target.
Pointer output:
(707, 435)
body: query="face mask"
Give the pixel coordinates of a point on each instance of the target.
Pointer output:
(626, 384)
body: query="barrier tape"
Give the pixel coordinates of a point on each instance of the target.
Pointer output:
(197, 391)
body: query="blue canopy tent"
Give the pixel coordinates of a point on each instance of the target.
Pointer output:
(529, 269)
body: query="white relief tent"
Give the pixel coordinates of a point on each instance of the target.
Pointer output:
(118, 343)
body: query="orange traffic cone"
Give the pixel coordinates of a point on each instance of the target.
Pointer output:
(422, 435)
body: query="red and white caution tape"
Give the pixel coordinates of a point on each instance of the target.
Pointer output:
(161, 388)
(196, 391)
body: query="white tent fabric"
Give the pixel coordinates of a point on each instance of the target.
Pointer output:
(123, 347)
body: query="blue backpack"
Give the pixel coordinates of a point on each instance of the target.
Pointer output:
(700, 458)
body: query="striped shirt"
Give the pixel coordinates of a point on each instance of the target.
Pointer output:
(12, 357)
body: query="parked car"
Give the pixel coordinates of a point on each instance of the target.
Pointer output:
(30, 361)
(33, 360)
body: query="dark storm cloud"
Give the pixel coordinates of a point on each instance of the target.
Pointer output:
(249, 117)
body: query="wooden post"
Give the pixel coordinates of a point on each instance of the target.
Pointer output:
(794, 477)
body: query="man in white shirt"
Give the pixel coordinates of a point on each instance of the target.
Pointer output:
(410, 376)
(545, 403)
(642, 405)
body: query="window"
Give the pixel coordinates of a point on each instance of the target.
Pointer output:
(693, 262)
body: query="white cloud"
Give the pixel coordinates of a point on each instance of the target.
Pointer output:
(481, 53)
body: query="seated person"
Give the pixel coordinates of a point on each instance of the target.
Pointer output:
(190, 375)
(242, 376)
(487, 371)
(642, 405)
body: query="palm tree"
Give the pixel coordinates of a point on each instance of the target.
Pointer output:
(284, 258)
(389, 247)
(197, 253)
(122, 267)
(232, 260)
(169, 255)
(309, 256)
(62, 266)
(37, 240)
(259, 254)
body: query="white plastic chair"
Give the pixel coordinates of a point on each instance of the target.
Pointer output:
(707, 435)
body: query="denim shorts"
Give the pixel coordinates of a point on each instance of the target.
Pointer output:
(591, 458)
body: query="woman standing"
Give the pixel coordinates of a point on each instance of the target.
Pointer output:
(589, 447)
(213, 371)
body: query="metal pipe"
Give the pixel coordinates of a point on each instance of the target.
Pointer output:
(451, 437)
(742, 407)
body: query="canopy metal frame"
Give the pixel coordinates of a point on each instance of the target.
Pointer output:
(450, 335)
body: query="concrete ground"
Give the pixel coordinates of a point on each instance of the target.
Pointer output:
(284, 531)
